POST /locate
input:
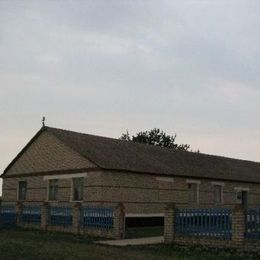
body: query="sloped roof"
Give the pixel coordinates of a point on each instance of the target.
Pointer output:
(114, 154)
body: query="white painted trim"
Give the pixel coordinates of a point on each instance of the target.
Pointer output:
(218, 183)
(241, 189)
(165, 179)
(131, 215)
(193, 181)
(64, 176)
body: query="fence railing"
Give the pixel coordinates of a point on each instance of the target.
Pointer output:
(7, 216)
(204, 222)
(95, 217)
(60, 216)
(104, 221)
(252, 224)
(31, 214)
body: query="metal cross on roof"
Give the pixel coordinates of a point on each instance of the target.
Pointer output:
(43, 121)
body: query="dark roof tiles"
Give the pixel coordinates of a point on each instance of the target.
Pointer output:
(114, 154)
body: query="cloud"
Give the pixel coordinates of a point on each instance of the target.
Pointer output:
(190, 67)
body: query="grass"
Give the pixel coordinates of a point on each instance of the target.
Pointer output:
(32, 244)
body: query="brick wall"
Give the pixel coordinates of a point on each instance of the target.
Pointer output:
(153, 192)
(47, 153)
(237, 241)
(139, 193)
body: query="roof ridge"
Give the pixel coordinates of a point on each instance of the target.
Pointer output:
(118, 140)
(152, 146)
(75, 132)
(115, 154)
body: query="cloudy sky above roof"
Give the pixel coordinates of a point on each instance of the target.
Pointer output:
(101, 67)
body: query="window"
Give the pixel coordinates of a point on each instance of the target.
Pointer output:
(193, 192)
(218, 194)
(77, 189)
(239, 197)
(242, 197)
(22, 190)
(53, 190)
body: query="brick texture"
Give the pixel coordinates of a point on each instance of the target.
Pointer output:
(169, 224)
(47, 153)
(238, 240)
(139, 193)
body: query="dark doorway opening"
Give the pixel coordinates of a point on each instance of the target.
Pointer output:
(136, 227)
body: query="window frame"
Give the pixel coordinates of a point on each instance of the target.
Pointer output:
(221, 186)
(18, 190)
(72, 199)
(239, 196)
(48, 190)
(196, 183)
(244, 195)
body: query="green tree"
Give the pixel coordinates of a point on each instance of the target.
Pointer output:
(155, 137)
(126, 136)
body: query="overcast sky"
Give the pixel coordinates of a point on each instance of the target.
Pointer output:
(101, 67)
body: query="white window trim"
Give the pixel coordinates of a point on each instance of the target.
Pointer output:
(165, 179)
(218, 183)
(190, 181)
(71, 190)
(144, 215)
(193, 181)
(241, 189)
(64, 176)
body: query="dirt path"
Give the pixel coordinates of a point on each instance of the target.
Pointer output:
(133, 242)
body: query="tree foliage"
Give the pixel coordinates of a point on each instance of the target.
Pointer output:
(155, 137)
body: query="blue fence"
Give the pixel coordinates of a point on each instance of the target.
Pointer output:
(7, 216)
(252, 224)
(31, 214)
(96, 217)
(60, 216)
(204, 222)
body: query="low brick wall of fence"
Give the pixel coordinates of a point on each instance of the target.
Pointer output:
(237, 228)
(94, 220)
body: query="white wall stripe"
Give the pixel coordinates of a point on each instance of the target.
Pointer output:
(64, 176)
